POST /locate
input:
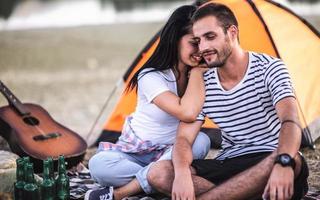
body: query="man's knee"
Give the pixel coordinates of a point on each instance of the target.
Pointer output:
(161, 174)
(300, 163)
(301, 177)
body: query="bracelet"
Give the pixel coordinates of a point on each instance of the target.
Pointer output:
(291, 121)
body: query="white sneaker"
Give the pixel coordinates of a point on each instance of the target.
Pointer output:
(105, 193)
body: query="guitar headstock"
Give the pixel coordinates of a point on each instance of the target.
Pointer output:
(13, 100)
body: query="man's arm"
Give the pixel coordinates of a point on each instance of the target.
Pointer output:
(280, 184)
(182, 158)
(290, 134)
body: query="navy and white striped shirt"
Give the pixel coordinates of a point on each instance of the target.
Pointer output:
(246, 113)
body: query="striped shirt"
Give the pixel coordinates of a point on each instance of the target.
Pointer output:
(246, 113)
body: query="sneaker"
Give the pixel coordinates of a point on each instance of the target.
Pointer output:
(105, 193)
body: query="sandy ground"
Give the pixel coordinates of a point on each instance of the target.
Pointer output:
(71, 72)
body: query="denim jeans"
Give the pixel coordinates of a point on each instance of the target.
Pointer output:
(115, 168)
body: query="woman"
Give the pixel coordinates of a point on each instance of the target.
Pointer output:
(165, 96)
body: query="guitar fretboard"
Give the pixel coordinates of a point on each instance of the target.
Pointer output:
(13, 100)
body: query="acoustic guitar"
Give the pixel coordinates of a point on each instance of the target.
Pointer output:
(31, 131)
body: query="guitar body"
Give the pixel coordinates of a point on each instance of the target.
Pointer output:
(39, 136)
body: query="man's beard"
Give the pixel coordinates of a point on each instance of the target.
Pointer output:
(222, 56)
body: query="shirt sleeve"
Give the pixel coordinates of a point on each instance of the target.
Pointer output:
(201, 116)
(152, 84)
(278, 81)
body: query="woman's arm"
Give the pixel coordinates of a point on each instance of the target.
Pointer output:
(190, 104)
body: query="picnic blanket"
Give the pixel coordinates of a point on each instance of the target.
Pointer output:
(81, 182)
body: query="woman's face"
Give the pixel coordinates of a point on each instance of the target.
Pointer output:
(188, 51)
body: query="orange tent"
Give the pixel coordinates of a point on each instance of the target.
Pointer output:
(265, 26)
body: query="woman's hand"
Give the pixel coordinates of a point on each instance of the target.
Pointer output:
(201, 68)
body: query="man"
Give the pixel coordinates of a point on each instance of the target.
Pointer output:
(250, 97)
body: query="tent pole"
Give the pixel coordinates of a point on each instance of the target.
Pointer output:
(119, 83)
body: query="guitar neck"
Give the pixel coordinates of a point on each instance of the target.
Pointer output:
(13, 101)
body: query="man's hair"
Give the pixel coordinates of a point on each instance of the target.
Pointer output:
(224, 15)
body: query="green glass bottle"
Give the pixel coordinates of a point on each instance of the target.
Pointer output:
(48, 190)
(30, 190)
(19, 184)
(26, 162)
(62, 181)
(26, 159)
(51, 167)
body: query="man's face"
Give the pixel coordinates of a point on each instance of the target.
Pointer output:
(214, 44)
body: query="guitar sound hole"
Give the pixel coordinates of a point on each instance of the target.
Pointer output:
(32, 121)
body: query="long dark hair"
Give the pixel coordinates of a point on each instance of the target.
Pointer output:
(165, 55)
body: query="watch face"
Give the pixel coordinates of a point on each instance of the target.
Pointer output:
(285, 159)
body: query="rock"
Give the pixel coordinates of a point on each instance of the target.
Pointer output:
(90, 152)
(314, 128)
(7, 171)
(132, 198)
(147, 198)
(212, 153)
(4, 144)
(5, 196)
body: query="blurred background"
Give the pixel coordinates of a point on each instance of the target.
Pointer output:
(30, 14)
(68, 55)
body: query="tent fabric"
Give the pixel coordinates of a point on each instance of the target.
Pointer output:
(266, 27)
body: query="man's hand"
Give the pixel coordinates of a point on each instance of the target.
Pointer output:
(280, 183)
(182, 188)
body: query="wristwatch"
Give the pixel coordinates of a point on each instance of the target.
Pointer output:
(285, 160)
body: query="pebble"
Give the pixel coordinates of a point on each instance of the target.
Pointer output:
(7, 171)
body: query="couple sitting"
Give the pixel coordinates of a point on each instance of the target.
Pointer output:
(248, 95)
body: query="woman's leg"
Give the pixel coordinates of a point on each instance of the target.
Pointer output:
(201, 146)
(113, 168)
